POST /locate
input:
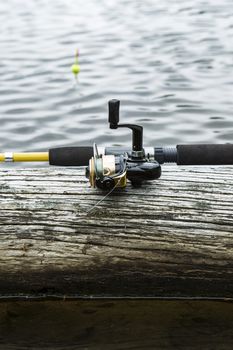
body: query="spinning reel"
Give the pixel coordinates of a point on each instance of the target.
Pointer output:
(110, 171)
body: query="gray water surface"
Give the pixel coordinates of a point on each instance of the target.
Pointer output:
(169, 62)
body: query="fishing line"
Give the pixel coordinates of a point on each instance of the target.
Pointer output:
(102, 199)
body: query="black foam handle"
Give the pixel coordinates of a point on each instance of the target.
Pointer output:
(70, 156)
(205, 154)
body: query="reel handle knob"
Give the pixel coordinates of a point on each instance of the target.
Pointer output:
(113, 113)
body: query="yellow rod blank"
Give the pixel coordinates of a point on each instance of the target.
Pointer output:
(27, 157)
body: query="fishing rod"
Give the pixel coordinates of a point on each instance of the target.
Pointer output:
(110, 167)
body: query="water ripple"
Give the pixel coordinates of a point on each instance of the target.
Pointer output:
(169, 63)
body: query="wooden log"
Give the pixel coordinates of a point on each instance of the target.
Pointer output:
(172, 238)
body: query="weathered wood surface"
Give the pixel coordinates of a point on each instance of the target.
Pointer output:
(170, 238)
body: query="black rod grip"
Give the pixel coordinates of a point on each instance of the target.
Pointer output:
(70, 156)
(205, 154)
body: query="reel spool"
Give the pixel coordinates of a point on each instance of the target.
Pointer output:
(106, 171)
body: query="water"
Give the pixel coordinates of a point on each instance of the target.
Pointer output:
(170, 63)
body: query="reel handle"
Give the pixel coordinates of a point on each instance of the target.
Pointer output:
(137, 137)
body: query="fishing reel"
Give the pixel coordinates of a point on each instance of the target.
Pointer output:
(110, 171)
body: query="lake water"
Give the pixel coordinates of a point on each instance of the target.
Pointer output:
(169, 62)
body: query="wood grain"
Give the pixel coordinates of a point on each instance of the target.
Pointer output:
(171, 238)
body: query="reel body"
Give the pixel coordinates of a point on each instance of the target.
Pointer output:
(138, 172)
